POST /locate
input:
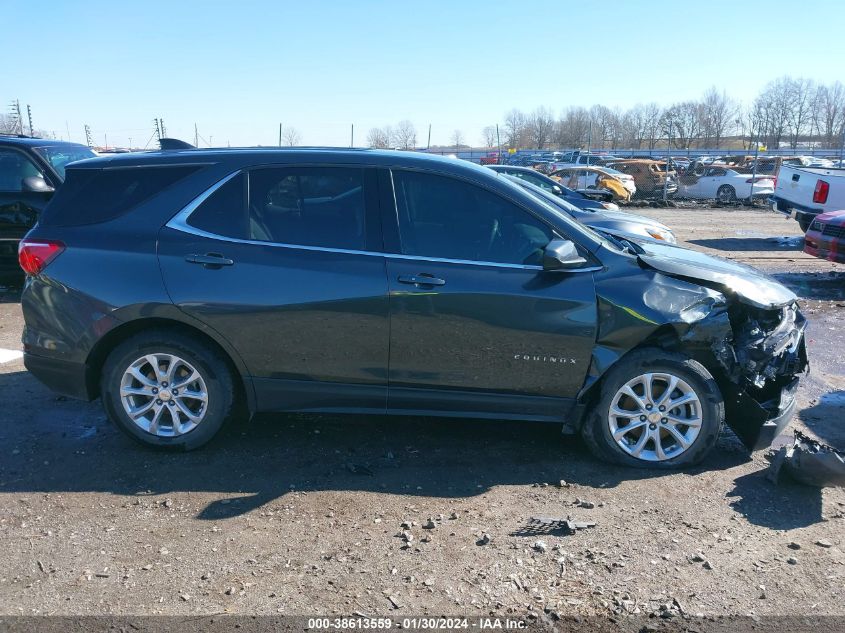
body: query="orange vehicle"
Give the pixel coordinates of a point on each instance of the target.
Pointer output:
(621, 185)
(649, 175)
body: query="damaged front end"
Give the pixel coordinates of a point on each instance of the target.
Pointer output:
(761, 359)
(748, 333)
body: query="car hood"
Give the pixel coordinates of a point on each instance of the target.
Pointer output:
(747, 284)
(621, 216)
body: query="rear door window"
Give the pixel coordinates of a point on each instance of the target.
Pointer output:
(308, 206)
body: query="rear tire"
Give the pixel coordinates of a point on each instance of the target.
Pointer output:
(704, 411)
(167, 390)
(726, 194)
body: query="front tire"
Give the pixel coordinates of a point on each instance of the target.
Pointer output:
(167, 390)
(656, 410)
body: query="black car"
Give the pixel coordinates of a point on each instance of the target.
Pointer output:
(595, 199)
(30, 169)
(186, 287)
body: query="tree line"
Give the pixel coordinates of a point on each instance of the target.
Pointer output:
(787, 111)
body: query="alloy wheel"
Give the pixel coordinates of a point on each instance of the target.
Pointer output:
(164, 395)
(655, 417)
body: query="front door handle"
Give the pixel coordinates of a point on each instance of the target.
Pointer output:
(209, 260)
(423, 279)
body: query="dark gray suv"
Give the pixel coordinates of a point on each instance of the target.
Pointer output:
(189, 287)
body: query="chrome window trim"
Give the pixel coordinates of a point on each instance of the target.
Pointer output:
(179, 222)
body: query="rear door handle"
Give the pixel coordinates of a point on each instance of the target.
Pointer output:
(209, 260)
(423, 279)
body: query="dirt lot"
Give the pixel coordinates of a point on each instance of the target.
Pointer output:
(303, 515)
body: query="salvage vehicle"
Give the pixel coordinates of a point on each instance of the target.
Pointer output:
(617, 223)
(825, 237)
(584, 198)
(650, 176)
(724, 184)
(30, 169)
(802, 193)
(187, 288)
(621, 185)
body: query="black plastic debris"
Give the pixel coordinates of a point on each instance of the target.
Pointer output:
(552, 526)
(809, 462)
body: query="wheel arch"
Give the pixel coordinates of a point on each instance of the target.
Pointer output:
(114, 337)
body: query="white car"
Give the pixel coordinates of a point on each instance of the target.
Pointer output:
(585, 177)
(725, 185)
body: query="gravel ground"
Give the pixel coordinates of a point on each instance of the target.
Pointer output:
(331, 515)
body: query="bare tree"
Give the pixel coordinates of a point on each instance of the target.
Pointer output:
(773, 110)
(718, 115)
(378, 138)
(682, 123)
(405, 135)
(457, 138)
(515, 124)
(801, 93)
(10, 124)
(829, 113)
(541, 124)
(573, 127)
(488, 136)
(291, 136)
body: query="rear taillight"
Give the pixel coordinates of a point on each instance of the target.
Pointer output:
(34, 255)
(820, 194)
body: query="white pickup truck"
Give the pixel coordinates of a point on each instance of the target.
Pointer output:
(804, 192)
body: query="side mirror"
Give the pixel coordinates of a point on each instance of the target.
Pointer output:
(35, 184)
(557, 190)
(561, 255)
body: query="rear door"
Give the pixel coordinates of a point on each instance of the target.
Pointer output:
(477, 326)
(286, 264)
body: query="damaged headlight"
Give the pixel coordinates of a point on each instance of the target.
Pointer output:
(700, 309)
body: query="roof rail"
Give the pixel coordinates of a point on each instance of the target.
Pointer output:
(174, 143)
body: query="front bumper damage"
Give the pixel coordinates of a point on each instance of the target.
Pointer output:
(761, 354)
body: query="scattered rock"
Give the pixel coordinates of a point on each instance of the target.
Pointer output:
(484, 540)
(583, 503)
(430, 524)
(168, 503)
(405, 525)
(563, 484)
(698, 558)
(707, 565)
(540, 546)
(792, 560)
(824, 543)
(407, 536)
(453, 516)
(794, 545)
(230, 591)
(185, 597)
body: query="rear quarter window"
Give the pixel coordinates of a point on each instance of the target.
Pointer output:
(91, 196)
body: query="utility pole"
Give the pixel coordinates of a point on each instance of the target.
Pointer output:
(29, 116)
(352, 136)
(428, 143)
(88, 140)
(196, 136)
(15, 107)
(280, 135)
(105, 134)
(67, 127)
(163, 129)
(499, 143)
(130, 143)
(158, 129)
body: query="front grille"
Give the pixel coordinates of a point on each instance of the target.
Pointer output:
(834, 230)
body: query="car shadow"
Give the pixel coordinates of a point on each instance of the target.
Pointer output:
(56, 445)
(752, 244)
(828, 286)
(782, 506)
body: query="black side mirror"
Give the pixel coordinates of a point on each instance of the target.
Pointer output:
(561, 255)
(35, 184)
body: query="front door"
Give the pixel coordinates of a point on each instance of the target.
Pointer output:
(477, 326)
(284, 263)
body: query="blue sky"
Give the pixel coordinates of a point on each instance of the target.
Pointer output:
(239, 68)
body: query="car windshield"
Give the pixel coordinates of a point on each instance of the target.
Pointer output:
(60, 155)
